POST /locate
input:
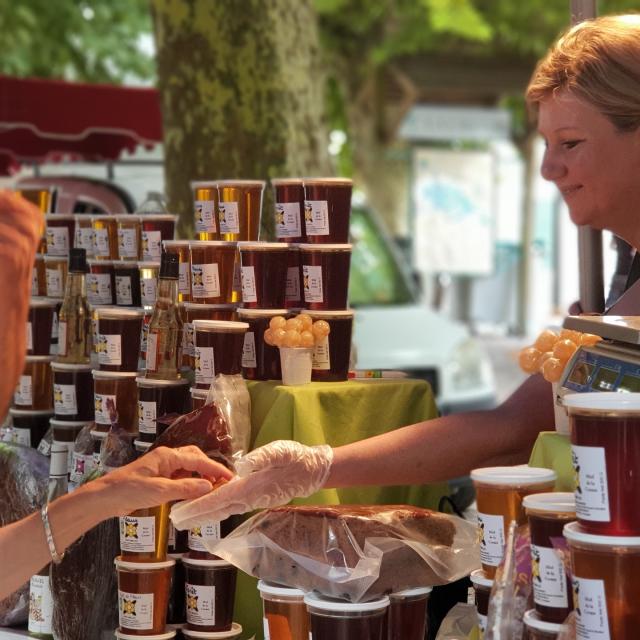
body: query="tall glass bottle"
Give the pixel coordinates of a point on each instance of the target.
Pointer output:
(40, 598)
(164, 342)
(74, 329)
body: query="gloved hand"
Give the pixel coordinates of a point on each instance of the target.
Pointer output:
(267, 477)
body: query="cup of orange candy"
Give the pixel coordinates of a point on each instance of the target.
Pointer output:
(296, 339)
(549, 355)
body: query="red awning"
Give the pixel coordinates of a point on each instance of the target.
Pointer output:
(46, 119)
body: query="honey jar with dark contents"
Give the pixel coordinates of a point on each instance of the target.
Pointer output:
(40, 326)
(129, 242)
(38, 277)
(84, 234)
(482, 591)
(263, 274)
(29, 426)
(325, 275)
(55, 273)
(198, 311)
(331, 356)
(60, 233)
(212, 271)
(119, 334)
(260, 361)
(407, 614)
(34, 388)
(284, 612)
(105, 237)
(117, 388)
(159, 398)
(155, 229)
(127, 277)
(538, 629)
(289, 209)
(327, 209)
(181, 249)
(101, 282)
(72, 391)
(205, 209)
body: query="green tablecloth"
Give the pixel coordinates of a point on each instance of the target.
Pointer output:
(553, 451)
(335, 414)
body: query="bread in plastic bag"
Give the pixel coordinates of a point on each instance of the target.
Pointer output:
(353, 552)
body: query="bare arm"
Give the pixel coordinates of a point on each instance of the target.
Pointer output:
(450, 446)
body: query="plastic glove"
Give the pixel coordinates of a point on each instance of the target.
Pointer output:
(267, 477)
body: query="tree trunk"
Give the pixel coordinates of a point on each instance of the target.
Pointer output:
(242, 93)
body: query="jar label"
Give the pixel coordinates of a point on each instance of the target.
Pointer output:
(205, 281)
(321, 357)
(265, 625)
(40, 605)
(492, 538)
(209, 531)
(205, 216)
(23, 395)
(85, 239)
(204, 366)
(248, 280)
(61, 456)
(316, 217)
(127, 243)
(109, 349)
(152, 351)
(64, 399)
(184, 282)
(81, 466)
(22, 436)
(99, 288)
(293, 284)
(229, 218)
(34, 282)
(101, 401)
(548, 577)
(138, 534)
(201, 604)
(151, 245)
(590, 475)
(123, 290)
(57, 241)
(62, 338)
(592, 620)
(101, 243)
(135, 610)
(44, 447)
(29, 336)
(249, 351)
(288, 220)
(312, 283)
(54, 282)
(146, 416)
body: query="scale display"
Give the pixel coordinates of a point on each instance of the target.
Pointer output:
(595, 371)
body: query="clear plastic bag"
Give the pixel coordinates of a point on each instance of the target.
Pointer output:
(459, 624)
(352, 552)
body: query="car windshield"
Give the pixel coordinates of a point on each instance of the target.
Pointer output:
(377, 276)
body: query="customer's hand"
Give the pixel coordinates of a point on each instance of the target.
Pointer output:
(162, 475)
(267, 477)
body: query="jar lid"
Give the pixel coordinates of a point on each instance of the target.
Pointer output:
(69, 424)
(125, 264)
(247, 245)
(234, 632)
(142, 445)
(554, 502)
(159, 217)
(212, 243)
(58, 216)
(167, 635)
(278, 590)
(142, 566)
(126, 217)
(325, 247)
(64, 366)
(40, 358)
(412, 593)
(262, 313)
(282, 181)
(148, 265)
(203, 184)
(106, 216)
(328, 604)
(479, 578)
(202, 305)
(334, 181)
(602, 402)
(119, 312)
(520, 475)
(79, 217)
(42, 302)
(198, 393)
(198, 562)
(151, 382)
(92, 262)
(30, 412)
(175, 243)
(61, 259)
(573, 532)
(532, 620)
(241, 183)
(176, 556)
(225, 326)
(112, 375)
(327, 315)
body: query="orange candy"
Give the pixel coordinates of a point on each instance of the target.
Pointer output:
(546, 340)
(564, 349)
(552, 369)
(529, 360)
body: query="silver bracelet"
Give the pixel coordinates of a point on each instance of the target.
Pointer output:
(55, 556)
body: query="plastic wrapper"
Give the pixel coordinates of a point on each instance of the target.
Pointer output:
(45, 444)
(82, 459)
(24, 475)
(352, 552)
(116, 449)
(459, 624)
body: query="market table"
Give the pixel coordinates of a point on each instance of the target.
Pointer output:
(552, 450)
(335, 413)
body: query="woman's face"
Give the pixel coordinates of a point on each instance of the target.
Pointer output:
(595, 167)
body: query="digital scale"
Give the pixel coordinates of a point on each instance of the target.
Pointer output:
(613, 364)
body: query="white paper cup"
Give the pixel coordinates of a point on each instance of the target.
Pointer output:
(296, 365)
(559, 411)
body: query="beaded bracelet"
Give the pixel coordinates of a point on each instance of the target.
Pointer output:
(55, 556)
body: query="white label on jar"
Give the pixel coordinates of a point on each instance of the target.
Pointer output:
(85, 239)
(34, 282)
(62, 338)
(57, 241)
(265, 625)
(205, 367)
(100, 406)
(592, 621)
(54, 282)
(44, 447)
(248, 279)
(312, 283)
(321, 357)
(29, 336)
(205, 281)
(205, 211)
(482, 625)
(152, 351)
(148, 289)
(288, 220)
(64, 399)
(590, 475)
(99, 288)
(492, 538)
(184, 282)
(123, 290)
(249, 351)
(548, 577)
(316, 217)
(138, 534)
(40, 605)
(293, 284)
(151, 245)
(135, 610)
(82, 465)
(209, 531)
(146, 416)
(201, 604)
(228, 216)
(101, 243)
(23, 395)
(127, 243)
(22, 436)
(54, 326)
(109, 349)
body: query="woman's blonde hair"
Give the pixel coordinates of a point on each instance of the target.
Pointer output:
(598, 61)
